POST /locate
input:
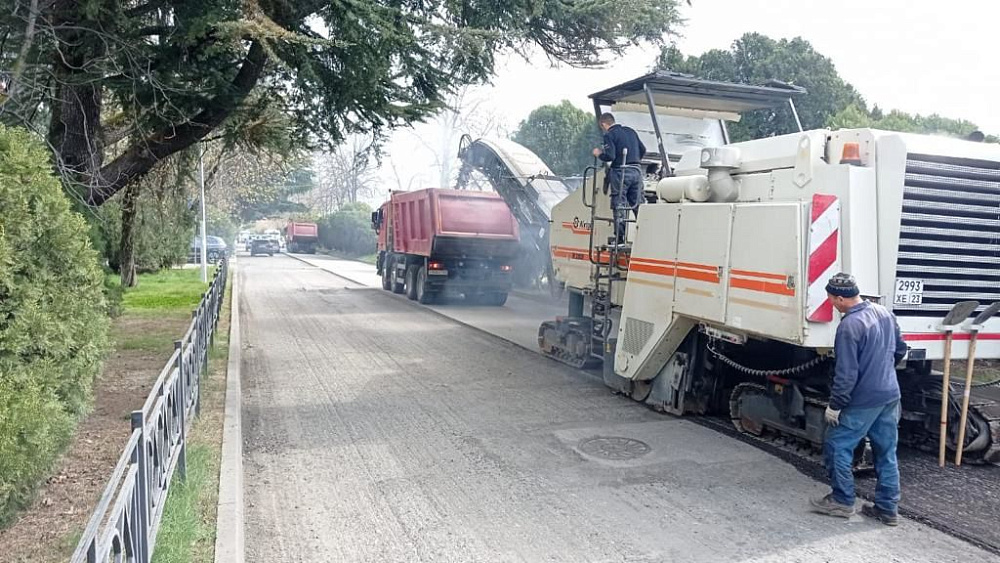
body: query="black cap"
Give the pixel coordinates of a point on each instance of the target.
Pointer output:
(843, 285)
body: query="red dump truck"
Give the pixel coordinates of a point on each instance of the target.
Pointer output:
(301, 237)
(435, 241)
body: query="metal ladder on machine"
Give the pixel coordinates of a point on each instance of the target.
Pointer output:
(606, 273)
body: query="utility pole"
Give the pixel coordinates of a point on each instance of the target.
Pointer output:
(204, 236)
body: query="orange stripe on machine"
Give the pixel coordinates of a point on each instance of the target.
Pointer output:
(699, 275)
(653, 261)
(763, 275)
(762, 282)
(689, 265)
(685, 270)
(652, 269)
(762, 286)
(569, 252)
(573, 253)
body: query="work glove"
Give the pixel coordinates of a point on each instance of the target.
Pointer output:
(832, 416)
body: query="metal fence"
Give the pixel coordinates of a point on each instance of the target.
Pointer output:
(123, 527)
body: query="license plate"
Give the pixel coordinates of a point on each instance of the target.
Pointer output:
(909, 291)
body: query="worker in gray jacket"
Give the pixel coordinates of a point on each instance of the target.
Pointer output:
(864, 401)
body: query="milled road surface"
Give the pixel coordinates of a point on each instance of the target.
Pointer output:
(377, 430)
(964, 502)
(515, 322)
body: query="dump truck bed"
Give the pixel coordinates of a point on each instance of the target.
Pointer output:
(443, 222)
(302, 231)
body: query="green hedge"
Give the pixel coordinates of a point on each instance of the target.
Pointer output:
(348, 230)
(53, 321)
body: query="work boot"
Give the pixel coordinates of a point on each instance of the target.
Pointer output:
(872, 511)
(826, 505)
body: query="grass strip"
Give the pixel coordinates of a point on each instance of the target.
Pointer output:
(187, 531)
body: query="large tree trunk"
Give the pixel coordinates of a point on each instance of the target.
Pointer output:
(130, 212)
(75, 126)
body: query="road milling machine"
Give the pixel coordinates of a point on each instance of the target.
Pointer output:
(716, 304)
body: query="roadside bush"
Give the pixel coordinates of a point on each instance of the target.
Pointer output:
(165, 226)
(349, 230)
(53, 322)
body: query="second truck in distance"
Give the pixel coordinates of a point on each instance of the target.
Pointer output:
(301, 237)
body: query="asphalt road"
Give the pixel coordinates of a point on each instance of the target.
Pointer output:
(964, 502)
(515, 322)
(377, 430)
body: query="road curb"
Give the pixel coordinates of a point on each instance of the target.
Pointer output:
(341, 276)
(229, 537)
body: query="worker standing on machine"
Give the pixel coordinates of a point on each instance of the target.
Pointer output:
(623, 149)
(864, 401)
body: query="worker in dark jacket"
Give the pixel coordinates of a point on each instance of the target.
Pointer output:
(864, 401)
(623, 149)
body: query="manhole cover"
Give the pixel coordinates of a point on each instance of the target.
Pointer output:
(614, 448)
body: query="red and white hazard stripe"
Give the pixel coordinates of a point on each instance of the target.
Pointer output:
(824, 240)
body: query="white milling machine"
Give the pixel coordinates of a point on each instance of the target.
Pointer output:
(718, 305)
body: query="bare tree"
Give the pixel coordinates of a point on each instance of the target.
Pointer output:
(399, 180)
(467, 112)
(345, 175)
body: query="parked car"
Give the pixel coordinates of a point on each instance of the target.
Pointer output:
(263, 245)
(216, 249)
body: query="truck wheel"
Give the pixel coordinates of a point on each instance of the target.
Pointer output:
(397, 287)
(386, 278)
(497, 299)
(411, 282)
(423, 295)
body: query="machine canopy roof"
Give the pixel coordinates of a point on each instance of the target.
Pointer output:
(676, 90)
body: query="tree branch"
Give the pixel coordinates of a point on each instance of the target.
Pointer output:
(144, 9)
(138, 159)
(22, 57)
(153, 30)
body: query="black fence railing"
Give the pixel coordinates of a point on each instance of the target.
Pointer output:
(123, 527)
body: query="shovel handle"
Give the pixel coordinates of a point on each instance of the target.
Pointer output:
(945, 384)
(965, 398)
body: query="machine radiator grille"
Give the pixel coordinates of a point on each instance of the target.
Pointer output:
(637, 334)
(950, 232)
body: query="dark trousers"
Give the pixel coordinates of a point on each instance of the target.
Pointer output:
(626, 189)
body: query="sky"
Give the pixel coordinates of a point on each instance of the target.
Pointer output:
(918, 56)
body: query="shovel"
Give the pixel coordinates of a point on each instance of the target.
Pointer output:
(955, 317)
(977, 325)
